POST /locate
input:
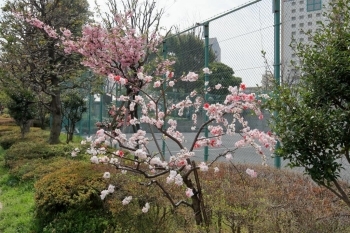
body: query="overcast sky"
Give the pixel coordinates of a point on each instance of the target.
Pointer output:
(188, 12)
(241, 35)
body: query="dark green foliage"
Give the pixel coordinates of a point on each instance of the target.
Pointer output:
(22, 108)
(188, 52)
(31, 58)
(313, 120)
(73, 107)
(224, 75)
(30, 150)
(79, 221)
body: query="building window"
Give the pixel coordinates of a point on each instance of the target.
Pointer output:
(293, 3)
(301, 32)
(309, 23)
(318, 15)
(293, 11)
(301, 17)
(294, 33)
(301, 39)
(309, 38)
(313, 5)
(301, 2)
(301, 9)
(309, 16)
(301, 25)
(293, 25)
(293, 18)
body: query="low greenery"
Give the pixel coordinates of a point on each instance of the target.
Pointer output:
(55, 192)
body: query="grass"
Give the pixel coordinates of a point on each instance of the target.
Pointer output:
(17, 213)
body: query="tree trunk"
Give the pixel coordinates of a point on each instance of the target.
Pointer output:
(56, 118)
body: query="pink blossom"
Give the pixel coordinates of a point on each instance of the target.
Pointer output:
(203, 167)
(228, 156)
(189, 192)
(251, 172)
(146, 208)
(206, 70)
(156, 84)
(218, 86)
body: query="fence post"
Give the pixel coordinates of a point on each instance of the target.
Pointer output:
(101, 103)
(89, 117)
(206, 64)
(164, 106)
(277, 25)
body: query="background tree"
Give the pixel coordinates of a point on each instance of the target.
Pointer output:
(73, 108)
(313, 120)
(22, 108)
(32, 57)
(187, 50)
(224, 75)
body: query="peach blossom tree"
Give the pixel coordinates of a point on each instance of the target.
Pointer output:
(119, 54)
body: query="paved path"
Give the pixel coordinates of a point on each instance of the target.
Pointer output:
(244, 155)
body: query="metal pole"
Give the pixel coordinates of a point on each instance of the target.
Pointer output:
(206, 80)
(101, 103)
(277, 25)
(89, 118)
(164, 104)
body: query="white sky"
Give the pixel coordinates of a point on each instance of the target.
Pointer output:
(241, 36)
(187, 12)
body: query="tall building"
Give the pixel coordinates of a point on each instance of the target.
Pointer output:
(297, 18)
(213, 42)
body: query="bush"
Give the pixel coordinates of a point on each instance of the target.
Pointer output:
(8, 136)
(75, 186)
(26, 150)
(74, 190)
(80, 220)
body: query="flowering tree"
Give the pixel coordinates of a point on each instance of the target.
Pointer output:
(33, 58)
(119, 54)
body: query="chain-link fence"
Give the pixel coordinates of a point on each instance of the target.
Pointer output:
(234, 41)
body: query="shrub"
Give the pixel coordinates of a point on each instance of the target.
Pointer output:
(8, 136)
(74, 186)
(80, 220)
(26, 150)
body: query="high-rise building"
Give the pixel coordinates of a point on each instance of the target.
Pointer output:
(213, 42)
(298, 18)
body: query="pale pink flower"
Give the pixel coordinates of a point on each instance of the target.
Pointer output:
(218, 86)
(146, 208)
(94, 159)
(104, 193)
(189, 192)
(171, 83)
(127, 200)
(156, 84)
(251, 172)
(107, 175)
(111, 188)
(216, 169)
(206, 70)
(228, 156)
(203, 167)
